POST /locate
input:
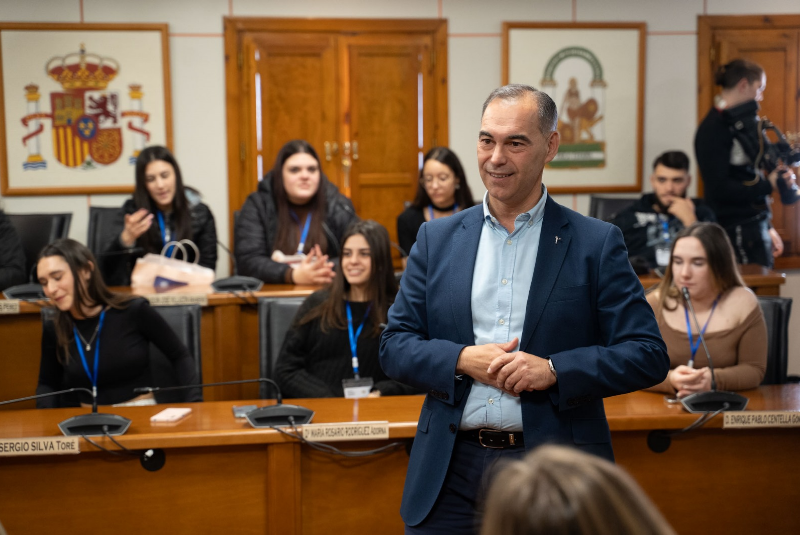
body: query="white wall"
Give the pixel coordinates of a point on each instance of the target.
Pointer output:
(198, 80)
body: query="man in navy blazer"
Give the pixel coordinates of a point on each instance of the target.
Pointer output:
(517, 316)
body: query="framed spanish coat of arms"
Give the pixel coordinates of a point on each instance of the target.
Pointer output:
(78, 102)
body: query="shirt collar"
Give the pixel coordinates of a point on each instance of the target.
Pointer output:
(534, 215)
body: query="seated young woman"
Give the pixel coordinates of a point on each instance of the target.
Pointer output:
(341, 323)
(162, 210)
(442, 191)
(295, 212)
(728, 312)
(99, 338)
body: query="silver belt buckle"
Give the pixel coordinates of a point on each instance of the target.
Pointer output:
(480, 439)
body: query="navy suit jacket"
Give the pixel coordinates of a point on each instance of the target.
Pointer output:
(586, 311)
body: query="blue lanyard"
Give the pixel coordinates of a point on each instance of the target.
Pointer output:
(163, 228)
(696, 344)
(430, 210)
(354, 336)
(304, 235)
(92, 376)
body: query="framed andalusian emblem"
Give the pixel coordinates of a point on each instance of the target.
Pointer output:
(77, 104)
(595, 75)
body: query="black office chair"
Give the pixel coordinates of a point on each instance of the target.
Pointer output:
(606, 208)
(104, 224)
(776, 314)
(275, 316)
(37, 230)
(185, 321)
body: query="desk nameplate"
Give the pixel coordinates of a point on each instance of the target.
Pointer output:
(9, 306)
(751, 419)
(10, 447)
(346, 431)
(167, 299)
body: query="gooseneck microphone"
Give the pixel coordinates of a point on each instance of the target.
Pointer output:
(92, 424)
(278, 415)
(714, 400)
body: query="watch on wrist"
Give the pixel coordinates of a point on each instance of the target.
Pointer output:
(552, 368)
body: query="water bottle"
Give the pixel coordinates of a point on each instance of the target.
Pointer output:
(663, 245)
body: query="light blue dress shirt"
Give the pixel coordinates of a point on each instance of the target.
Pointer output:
(500, 286)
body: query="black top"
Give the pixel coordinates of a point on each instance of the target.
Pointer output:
(117, 269)
(312, 364)
(724, 145)
(641, 226)
(124, 361)
(12, 256)
(408, 224)
(257, 227)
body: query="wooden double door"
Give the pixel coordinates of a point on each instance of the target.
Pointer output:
(774, 43)
(369, 95)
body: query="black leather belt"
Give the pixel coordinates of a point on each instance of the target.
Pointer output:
(491, 438)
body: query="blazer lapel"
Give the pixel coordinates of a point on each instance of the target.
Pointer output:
(553, 246)
(463, 252)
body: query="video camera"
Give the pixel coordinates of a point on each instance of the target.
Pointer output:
(771, 155)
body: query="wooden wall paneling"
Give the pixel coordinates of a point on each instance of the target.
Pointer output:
(284, 489)
(21, 355)
(352, 478)
(691, 483)
(188, 495)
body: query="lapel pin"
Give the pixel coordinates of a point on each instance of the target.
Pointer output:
(557, 240)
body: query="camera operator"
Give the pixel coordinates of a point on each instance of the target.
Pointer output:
(727, 145)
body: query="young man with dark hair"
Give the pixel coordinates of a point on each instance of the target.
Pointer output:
(642, 223)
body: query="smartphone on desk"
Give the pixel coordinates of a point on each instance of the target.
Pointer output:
(240, 411)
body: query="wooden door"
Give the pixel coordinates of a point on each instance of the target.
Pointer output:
(293, 79)
(369, 95)
(386, 121)
(775, 45)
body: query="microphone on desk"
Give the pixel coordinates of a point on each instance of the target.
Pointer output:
(92, 424)
(236, 283)
(278, 415)
(714, 400)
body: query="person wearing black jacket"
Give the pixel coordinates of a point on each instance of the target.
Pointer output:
(343, 321)
(642, 222)
(727, 146)
(99, 338)
(162, 210)
(12, 256)
(295, 212)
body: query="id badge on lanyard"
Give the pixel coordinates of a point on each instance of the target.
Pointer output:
(357, 387)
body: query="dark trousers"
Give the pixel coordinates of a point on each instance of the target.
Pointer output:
(458, 509)
(751, 242)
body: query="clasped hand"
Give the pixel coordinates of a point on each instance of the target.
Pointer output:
(511, 371)
(686, 380)
(313, 269)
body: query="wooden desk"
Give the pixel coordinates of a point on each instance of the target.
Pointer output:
(228, 340)
(761, 280)
(222, 476)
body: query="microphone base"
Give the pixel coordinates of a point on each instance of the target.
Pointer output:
(25, 292)
(713, 401)
(278, 416)
(92, 425)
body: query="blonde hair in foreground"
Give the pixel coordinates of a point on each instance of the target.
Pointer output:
(561, 491)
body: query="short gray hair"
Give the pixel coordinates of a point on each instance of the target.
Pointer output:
(548, 114)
